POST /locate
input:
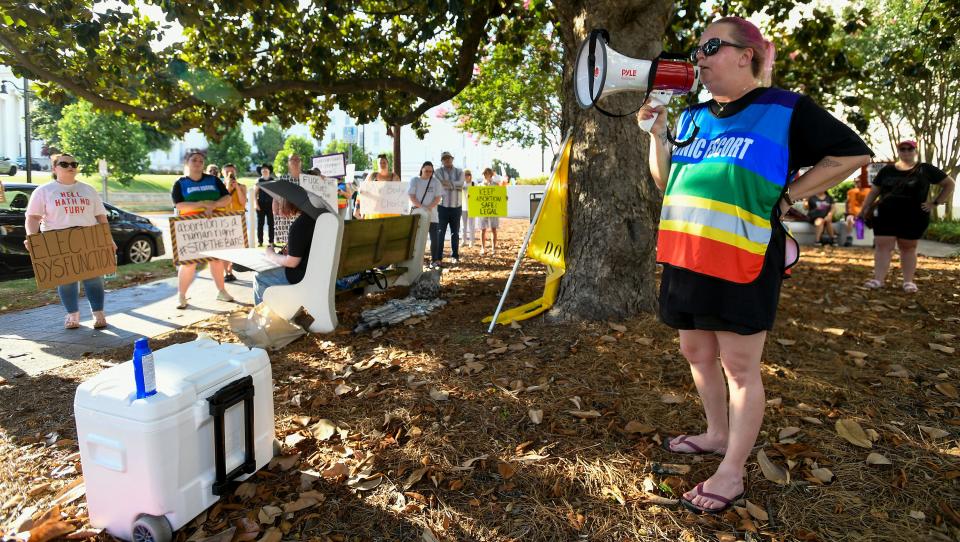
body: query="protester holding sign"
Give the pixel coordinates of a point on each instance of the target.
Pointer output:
(65, 203)
(450, 210)
(238, 203)
(488, 222)
(424, 193)
(197, 193)
(469, 222)
(293, 259)
(264, 204)
(723, 248)
(383, 174)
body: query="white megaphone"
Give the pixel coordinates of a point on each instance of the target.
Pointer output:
(601, 71)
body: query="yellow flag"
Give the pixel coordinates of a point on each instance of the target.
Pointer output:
(548, 243)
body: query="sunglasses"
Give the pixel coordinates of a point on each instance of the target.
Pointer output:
(711, 47)
(74, 165)
(906, 149)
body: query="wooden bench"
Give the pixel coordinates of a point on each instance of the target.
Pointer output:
(340, 249)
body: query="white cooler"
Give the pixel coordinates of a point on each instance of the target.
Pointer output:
(152, 465)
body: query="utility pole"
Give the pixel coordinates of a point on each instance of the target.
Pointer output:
(26, 128)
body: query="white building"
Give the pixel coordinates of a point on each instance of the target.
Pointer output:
(467, 150)
(11, 120)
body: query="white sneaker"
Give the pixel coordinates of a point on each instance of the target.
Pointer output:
(224, 296)
(182, 302)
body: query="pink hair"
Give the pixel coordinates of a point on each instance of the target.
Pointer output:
(747, 34)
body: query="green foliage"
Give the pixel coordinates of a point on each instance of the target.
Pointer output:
(540, 180)
(370, 58)
(91, 136)
(156, 140)
(503, 168)
(515, 96)
(269, 141)
(945, 231)
(360, 158)
(293, 145)
(231, 149)
(839, 192)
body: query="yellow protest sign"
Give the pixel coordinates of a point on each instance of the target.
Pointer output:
(487, 201)
(548, 242)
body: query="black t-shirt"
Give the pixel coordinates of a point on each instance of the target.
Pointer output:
(818, 208)
(298, 245)
(814, 133)
(264, 200)
(911, 186)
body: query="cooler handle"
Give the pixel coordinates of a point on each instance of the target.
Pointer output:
(239, 390)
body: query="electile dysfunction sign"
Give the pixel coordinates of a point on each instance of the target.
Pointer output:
(195, 234)
(65, 256)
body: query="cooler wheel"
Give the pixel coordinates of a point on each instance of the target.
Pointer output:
(149, 528)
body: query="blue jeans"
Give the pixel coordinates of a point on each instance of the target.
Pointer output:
(70, 294)
(436, 242)
(450, 217)
(265, 279)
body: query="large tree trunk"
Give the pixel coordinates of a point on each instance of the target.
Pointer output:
(614, 204)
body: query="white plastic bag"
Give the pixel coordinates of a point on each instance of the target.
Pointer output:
(262, 328)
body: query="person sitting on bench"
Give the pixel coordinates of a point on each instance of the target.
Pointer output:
(293, 258)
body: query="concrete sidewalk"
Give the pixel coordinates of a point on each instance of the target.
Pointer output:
(34, 340)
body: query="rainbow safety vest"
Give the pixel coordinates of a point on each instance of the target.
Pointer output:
(723, 187)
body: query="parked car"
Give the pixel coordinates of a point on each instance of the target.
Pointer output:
(7, 166)
(22, 164)
(138, 240)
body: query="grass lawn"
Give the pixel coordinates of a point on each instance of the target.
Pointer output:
(20, 294)
(147, 182)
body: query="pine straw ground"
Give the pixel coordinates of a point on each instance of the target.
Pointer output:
(434, 437)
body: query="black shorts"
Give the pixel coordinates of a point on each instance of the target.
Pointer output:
(901, 219)
(705, 322)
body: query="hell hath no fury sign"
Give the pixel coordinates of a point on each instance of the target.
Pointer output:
(194, 234)
(65, 256)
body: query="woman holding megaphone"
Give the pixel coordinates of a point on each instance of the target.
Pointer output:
(723, 249)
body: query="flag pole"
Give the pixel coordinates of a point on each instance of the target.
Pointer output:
(526, 241)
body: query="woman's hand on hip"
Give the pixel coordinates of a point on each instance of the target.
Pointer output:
(927, 206)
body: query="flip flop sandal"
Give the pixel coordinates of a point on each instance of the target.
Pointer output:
(727, 502)
(910, 287)
(872, 284)
(685, 440)
(70, 322)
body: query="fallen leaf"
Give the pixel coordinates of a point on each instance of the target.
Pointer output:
(366, 484)
(50, 530)
(304, 501)
(584, 414)
(438, 395)
(222, 536)
(659, 499)
(788, 432)
(853, 433)
(822, 474)
(942, 348)
(877, 459)
(71, 492)
(772, 471)
(40, 489)
(247, 530)
(428, 536)
(246, 490)
(944, 336)
(787, 342)
(414, 477)
(637, 428)
(268, 514)
(608, 339)
(618, 327)
(323, 429)
(336, 471)
(758, 513)
(934, 432)
(947, 389)
(302, 421)
(670, 468)
(293, 439)
(506, 469)
(614, 491)
(536, 416)
(814, 421)
(272, 534)
(834, 331)
(916, 514)
(856, 354)
(342, 389)
(84, 534)
(285, 462)
(670, 399)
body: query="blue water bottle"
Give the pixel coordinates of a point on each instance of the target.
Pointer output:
(143, 369)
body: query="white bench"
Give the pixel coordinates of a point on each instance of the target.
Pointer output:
(340, 249)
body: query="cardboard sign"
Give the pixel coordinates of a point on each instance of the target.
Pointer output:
(331, 165)
(281, 229)
(3, 197)
(195, 234)
(102, 166)
(254, 259)
(65, 256)
(382, 197)
(487, 201)
(324, 187)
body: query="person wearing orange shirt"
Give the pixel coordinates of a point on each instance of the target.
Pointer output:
(855, 198)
